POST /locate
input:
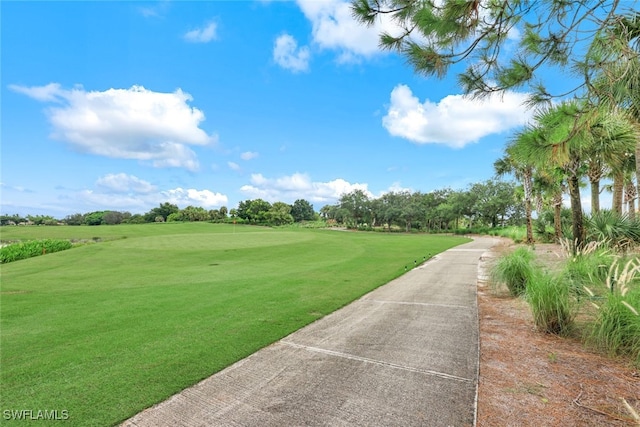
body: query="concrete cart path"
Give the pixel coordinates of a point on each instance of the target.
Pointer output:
(405, 354)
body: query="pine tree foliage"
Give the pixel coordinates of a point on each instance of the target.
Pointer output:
(561, 35)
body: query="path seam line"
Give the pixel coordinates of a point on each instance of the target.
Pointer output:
(377, 362)
(417, 303)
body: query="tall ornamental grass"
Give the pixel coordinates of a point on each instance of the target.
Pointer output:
(587, 268)
(514, 270)
(551, 303)
(616, 328)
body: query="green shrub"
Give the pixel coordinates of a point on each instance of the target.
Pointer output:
(514, 270)
(543, 229)
(550, 302)
(618, 231)
(18, 251)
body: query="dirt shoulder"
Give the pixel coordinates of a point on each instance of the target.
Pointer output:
(528, 378)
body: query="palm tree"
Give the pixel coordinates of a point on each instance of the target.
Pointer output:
(560, 140)
(550, 183)
(615, 52)
(612, 142)
(516, 161)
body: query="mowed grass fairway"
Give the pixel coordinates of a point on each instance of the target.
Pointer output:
(107, 329)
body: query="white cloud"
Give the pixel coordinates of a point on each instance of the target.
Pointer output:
(202, 35)
(204, 198)
(133, 123)
(287, 54)
(98, 200)
(156, 11)
(299, 186)
(396, 187)
(48, 93)
(123, 183)
(233, 166)
(334, 27)
(17, 188)
(455, 120)
(143, 202)
(248, 155)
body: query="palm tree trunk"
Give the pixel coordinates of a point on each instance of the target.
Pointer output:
(595, 195)
(638, 171)
(527, 210)
(630, 198)
(557, 215)
(576, 211)
(618, 186)
(527, 204)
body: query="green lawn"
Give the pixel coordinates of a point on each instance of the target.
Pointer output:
(106, 329)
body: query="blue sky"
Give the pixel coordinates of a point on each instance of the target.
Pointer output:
(125, 105)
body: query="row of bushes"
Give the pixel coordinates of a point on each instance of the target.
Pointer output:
(600, 285)
(24, 250)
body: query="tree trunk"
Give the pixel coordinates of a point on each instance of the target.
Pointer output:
(557, 216)
(638, 169)
(576, 212)
(527, 210)
(618, 186)
(528, 187)
(630, 198)
(595, 196)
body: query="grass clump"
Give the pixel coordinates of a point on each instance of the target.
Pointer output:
(616, 328)
(550, 302)
(515, 270)
(587, 269)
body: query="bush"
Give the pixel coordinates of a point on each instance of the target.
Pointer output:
(514, 270)
(550, 302)
(543, 229)
(618, 231)
(18, 251)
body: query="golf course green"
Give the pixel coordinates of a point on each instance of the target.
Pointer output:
(137, 313)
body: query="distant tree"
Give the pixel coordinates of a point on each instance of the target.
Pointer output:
(243, 210)
(214, 215)
(194, 213)
(279, 214)
(355, 204)
(9, 219)
(223, 212)
(175, 217)
(495, 201)
(136, 219)
(302, 210)
(114, 217)
(94, 218)
(42, 219)
(164, 210)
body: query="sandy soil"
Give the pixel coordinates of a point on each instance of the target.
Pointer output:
(528, 378)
